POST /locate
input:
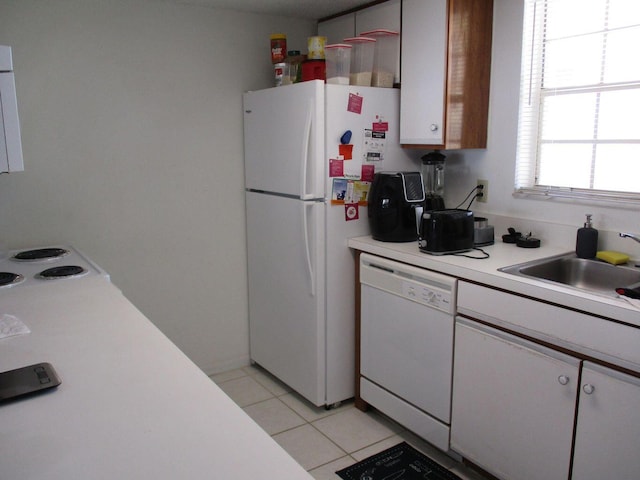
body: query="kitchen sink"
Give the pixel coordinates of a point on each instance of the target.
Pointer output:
(583, 274)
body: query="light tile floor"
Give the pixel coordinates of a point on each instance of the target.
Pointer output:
(321, 440)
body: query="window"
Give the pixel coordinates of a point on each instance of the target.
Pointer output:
(579, 124)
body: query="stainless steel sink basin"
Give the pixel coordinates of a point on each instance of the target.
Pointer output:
(567, 269)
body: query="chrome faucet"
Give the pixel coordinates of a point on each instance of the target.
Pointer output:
(631, 236)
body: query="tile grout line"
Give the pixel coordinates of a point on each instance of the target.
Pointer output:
(456, 468)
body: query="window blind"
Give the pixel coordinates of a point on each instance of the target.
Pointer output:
(578, 130)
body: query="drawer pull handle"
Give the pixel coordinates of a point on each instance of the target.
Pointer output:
(563, 380)
(588, 388)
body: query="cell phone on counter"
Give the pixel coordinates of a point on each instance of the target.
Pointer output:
(27, 380)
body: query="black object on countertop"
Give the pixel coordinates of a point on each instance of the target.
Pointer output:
(61, 272)
(395, 205)
(587, 240)
(528, 242)
(512, 236)
(631, 291)
(402, 462)
(27, 380)
(40, 254)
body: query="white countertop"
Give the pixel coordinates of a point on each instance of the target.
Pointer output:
(131, 405)
(486, 272)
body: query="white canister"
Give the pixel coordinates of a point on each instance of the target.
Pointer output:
(315, 48)
(278, 70)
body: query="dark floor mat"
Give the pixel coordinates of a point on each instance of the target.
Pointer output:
(402, 462)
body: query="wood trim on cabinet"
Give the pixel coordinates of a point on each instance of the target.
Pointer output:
(468, 73)
(469, 40)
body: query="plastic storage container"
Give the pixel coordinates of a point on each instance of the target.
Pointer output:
(338, 59)
(386, 57)
(361, 60)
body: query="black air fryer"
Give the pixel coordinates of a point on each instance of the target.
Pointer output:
(395, 200)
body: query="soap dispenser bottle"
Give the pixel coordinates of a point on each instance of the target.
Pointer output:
(587, 240)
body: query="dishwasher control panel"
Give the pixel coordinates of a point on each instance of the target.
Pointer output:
(419, 285)
(427, 295)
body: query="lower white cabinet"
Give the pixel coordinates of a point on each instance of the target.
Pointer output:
(513, 404)
(516, 406)
(607, 443)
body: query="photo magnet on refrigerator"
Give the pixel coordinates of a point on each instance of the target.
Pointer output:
(336, 167)
(355, 103)
(351, 212)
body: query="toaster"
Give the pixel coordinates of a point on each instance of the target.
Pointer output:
(443, 232)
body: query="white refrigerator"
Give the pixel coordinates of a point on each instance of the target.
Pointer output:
(302, 205)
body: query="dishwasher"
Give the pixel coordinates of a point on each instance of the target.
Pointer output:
(406, 345)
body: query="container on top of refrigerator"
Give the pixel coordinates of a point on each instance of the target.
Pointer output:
(294, 66)
(361, 60)
(315, 48)
(278, 47)
(385, 58)
(338, 62)
(278, 71)
(313, 70)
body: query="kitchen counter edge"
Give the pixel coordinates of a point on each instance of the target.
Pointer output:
(485, 272)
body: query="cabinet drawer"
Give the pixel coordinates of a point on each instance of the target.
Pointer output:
(600, 338)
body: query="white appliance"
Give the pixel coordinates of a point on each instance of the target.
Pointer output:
(45, 266)
(301, 272)
(406, 345)
(10, 141)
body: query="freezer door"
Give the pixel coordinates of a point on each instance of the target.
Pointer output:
(379, 108)
(287, 290)
(284, 140)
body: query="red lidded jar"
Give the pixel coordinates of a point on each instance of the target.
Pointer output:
(278, 47)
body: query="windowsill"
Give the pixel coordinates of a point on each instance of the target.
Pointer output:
(573, 197)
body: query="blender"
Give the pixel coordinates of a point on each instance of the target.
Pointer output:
(433, 176)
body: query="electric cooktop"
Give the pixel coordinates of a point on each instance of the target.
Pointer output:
(38, 266)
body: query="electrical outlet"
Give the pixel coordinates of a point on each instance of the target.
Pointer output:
(483, 187)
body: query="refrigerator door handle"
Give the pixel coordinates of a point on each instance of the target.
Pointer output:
(306, 147)
(307, 246)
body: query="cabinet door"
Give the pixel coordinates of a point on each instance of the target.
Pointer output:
(339, 28)
(607, 441)
(513, 404)
(423, 71)
(384, 15)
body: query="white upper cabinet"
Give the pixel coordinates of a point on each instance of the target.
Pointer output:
(385, 15)
(446, 63)
(10, 142)
(338, 28)
(424, 49)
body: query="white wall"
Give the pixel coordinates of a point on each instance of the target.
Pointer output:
(497, 163)
(132, 133)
